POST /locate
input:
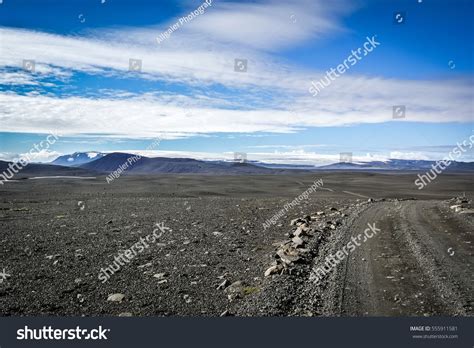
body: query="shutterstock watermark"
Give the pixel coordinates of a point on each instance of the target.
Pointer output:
(441, 165)
(124, 257)
(273, 220)
(172, 28)
(16, 166)
(48, 333)
(368, 46)
(332, 261)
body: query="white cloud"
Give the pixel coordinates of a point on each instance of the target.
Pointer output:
(411, 155)
(148, 116)
(295, 147)
(270, 25)
(270, 97)
(41, 156)
(297, 157)
(17, 78)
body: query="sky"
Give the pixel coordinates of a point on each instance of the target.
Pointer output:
(190, 92)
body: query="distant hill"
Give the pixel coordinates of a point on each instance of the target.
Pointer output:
(164, 165)
(78, 158)
(37, 169)
(106, 163)
(398, 165)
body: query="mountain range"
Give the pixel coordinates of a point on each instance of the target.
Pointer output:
(97, 163)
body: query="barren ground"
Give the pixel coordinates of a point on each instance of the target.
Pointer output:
(57, 234)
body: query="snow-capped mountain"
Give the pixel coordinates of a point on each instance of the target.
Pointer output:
(78, 158)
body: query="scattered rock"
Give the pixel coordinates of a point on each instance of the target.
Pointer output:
(187, 298)
(304, 227)
(295, 221)
(297, 241)
(235, 290)
(273, 269)
(287, 257)
(299, 232)
(145, 265)
(160, 275)
(116, 297)
(223, 285)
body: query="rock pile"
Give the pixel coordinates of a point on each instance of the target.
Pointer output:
(461, 205)
(293, 250)
(296, 249)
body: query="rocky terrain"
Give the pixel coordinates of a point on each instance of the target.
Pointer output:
(216, 259)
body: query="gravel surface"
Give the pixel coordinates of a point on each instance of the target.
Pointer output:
(58, 234)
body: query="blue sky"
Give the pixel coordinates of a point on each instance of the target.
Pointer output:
(189, 94)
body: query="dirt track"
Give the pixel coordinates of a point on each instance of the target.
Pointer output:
(420, 263)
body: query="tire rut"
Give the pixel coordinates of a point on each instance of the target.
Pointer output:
(402, 270)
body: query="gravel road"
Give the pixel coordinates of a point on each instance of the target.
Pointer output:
(420, 263)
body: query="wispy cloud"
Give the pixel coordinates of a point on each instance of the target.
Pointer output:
(35, 156)
(270, 25)
(271, 97)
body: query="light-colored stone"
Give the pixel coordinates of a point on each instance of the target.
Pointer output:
(223, 285)
(160, 275)
(298, 241)
(187, 298)
(298, 232)
(235, 290)
(272, 270)
(286, 258)
(116, 297)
